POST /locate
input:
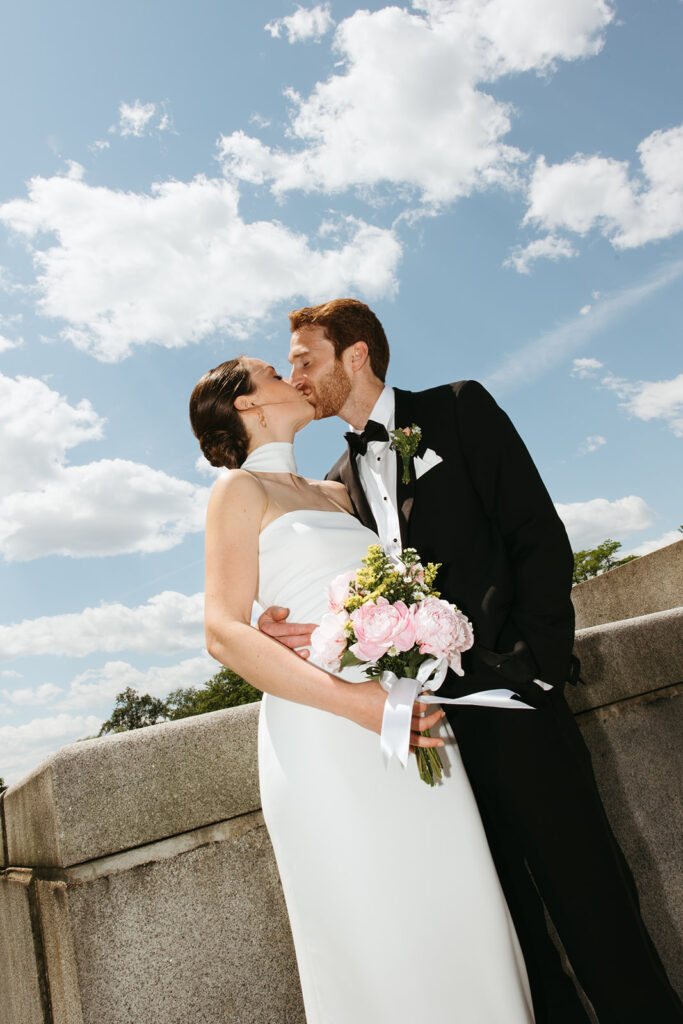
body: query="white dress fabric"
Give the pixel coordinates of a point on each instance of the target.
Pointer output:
(395, 907)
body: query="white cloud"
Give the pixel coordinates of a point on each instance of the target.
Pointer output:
(409, 107)
(650, 400)
(591, 444)
(585, 309)
(102, 684)
(135, 118)
(6, 344)
(204, 467)
(10, 673)
(530, 361)
(590, 522)
(172, 267)
(44, 694)
(25, 746)
(552, 247)
(598, 192)
(167, 623)
(306, 23)
(107, 507)
(670, 537)
(585, 367)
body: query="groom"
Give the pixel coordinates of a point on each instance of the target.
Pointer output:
(476, 503)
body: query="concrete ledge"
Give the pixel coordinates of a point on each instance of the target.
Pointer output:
(635, 747)
(21, 995)
(58, 947)
(649, 584)
(3, 838)
(102, 796)
(627, 658)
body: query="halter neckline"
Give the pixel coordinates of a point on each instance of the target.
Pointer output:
(274, 457)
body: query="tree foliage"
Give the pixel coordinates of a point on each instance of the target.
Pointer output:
(594, 561)
(224, 690)
(3, 787)
(135, 711)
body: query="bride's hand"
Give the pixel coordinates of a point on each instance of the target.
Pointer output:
(273, 622)
(367, 710)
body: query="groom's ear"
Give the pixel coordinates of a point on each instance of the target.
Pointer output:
(356, 356)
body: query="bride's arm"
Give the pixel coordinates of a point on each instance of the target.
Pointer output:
(234, 516)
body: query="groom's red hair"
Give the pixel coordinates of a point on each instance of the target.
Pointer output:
(346, 321)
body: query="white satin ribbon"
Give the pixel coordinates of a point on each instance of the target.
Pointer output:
(403, 692)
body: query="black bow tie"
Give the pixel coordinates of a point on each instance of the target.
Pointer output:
(358, 443)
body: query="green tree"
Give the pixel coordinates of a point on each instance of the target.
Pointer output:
(3, 787)
(224, 690)
(597, 560)
(133, 711)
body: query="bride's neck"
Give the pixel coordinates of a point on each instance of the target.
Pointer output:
(271, 437)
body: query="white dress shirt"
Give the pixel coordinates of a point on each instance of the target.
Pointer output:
(377, 471)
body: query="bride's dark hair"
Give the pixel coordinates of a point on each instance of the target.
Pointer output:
(216, 423)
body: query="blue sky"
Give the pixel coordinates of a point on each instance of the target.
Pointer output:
(502, 181)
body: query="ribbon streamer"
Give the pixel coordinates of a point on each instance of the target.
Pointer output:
(403, 692)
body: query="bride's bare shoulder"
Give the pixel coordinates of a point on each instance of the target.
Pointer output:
(237, 490)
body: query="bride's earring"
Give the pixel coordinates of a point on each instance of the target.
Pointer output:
(262, 419)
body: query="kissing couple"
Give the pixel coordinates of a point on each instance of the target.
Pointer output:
(411, 903)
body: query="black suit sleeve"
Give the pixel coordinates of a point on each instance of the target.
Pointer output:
(535, 540)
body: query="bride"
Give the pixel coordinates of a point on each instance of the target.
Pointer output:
(395, 907)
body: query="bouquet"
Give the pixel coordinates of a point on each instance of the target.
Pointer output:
(387, 617)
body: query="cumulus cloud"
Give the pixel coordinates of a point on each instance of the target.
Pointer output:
(670, 537)
(167, 623)
(599, 192)
(430, 125)
(44, 694)
(106, 507)
(306, 23)
(549, 248)
(590, 522)
(591, 444)
(102, 684)
(25, 746)
(172, 267)
(651, 400)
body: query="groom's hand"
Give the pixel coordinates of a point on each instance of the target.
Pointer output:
(295, 635)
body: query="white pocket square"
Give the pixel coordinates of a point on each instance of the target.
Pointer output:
(426, 462)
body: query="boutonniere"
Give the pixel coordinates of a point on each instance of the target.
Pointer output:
(406, 441)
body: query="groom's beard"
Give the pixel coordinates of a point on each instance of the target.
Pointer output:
(328, 395)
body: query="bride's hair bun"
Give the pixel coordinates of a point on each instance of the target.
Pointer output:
(216, 423)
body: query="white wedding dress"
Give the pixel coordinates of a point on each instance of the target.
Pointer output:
(394, 903)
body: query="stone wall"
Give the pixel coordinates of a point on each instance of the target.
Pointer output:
(138, 884)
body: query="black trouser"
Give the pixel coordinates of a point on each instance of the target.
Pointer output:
(532, 776)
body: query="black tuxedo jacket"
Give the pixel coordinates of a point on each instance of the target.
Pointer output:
(484, 513)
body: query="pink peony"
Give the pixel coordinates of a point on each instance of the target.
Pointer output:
(328, 640)
(442, 631)
(381, 626)
(338, 590)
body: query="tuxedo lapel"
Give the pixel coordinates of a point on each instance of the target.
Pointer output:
(405, 493)
(348, 471)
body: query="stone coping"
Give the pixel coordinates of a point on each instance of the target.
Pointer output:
(651, 583)
(102, 796)
(625, 659)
